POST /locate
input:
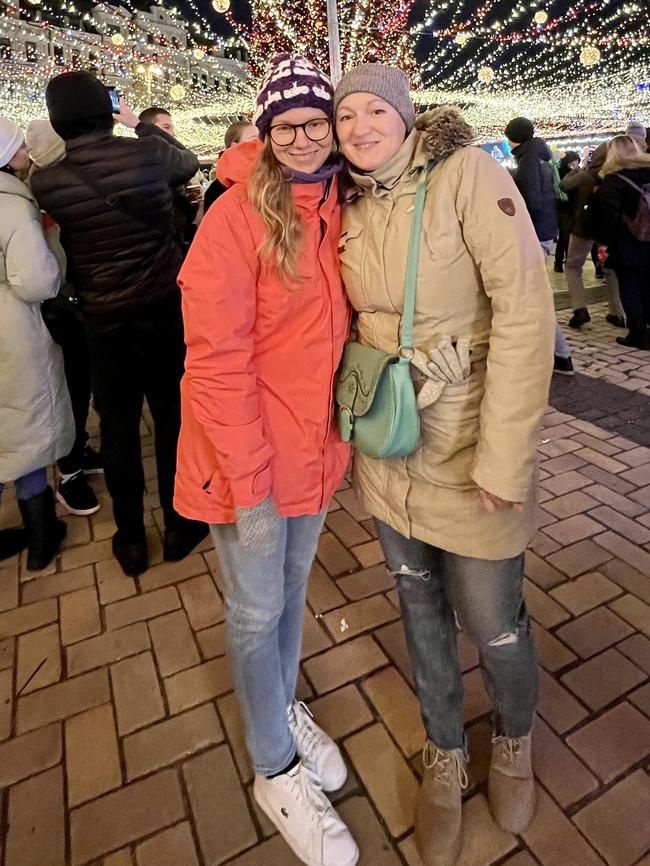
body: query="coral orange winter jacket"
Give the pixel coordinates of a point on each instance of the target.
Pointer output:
(257, 395)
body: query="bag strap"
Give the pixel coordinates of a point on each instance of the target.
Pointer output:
(111, 199)
(630, 182)
(410, 284)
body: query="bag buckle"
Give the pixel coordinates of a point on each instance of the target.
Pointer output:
(346, 423)
(406, 352)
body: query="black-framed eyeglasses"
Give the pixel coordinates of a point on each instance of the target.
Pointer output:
(316, 130)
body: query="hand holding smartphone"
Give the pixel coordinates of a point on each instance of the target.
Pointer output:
(115, 99)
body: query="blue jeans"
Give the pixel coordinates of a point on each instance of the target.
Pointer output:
(437, 589)
(265, 608)
(29, 485)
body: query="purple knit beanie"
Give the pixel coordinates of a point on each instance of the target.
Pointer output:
(291, 81)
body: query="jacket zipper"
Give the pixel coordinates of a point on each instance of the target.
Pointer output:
(324, 228)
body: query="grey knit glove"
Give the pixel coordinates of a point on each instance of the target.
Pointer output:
(258, 528)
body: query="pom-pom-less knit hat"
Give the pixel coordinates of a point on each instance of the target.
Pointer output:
(636, 128)
(519, 130)
(78, 104)
(11, 138)
(387, 82)
(45, 146)
(290, 82)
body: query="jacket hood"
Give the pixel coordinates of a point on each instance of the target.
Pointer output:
(236, 164)
(11, 185)
(613, 165)
(598, 157)
(535, 147)
(443, 132)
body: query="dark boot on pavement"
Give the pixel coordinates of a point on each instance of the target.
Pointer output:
(180, 541)
(579, 318)
(511, 784)
(438, 817)
(132, 555)
(12, 541)
(44, 532)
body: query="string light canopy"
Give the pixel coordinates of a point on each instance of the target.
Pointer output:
(370, 31)
(151, 57)
(585, 62)
(534, 43)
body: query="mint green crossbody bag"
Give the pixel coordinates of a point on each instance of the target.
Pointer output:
(376, 402)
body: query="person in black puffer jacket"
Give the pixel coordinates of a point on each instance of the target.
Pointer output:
(534, 179)
(616, 203)
(112, 199)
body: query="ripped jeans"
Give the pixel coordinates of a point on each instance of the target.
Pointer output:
(486, 598)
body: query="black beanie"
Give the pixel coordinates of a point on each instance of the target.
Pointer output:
(520, 130)
(78, 103)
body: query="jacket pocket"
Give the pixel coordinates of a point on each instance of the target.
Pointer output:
(348, 236)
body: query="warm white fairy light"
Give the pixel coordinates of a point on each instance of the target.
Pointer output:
(146, 59)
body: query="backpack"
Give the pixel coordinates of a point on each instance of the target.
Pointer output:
(639, 226)
(560, 195)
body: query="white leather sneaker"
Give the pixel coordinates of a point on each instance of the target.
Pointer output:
(317, 750)
(297, 806)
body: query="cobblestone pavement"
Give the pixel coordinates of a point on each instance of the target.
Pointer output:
(120, 736)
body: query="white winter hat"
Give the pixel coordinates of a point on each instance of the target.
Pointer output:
(11, 140)
(45, 146)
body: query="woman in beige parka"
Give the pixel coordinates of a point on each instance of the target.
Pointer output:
(456, 515)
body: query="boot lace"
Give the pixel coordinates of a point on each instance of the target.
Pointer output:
(510, 748)
(444, 764)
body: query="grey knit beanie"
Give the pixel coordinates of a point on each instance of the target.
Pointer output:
(386, 82)
(635, 127)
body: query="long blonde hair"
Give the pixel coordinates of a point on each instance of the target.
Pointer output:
(269, 192)
(622, 147)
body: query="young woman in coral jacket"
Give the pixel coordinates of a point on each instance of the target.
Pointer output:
(259, 456)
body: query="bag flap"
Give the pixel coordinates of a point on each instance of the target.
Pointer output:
(359, 375)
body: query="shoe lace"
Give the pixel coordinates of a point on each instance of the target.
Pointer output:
(443, 764)
(306, 734)
(510, 748)
(307, 791)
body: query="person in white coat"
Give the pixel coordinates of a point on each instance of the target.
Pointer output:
(36, 423)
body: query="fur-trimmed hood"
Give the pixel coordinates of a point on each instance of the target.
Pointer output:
(444, 131)
(615, 165)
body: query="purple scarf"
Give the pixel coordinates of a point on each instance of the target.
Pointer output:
(330, 168)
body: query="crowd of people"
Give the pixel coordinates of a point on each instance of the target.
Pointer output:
(597, 204)
(233, 326)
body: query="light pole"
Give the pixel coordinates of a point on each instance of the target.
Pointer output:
(148, 72)
(334, 42)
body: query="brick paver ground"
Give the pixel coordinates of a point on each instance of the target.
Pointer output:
(121, 739)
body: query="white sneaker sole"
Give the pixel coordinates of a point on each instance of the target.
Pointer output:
(309, 861)
(78, 512)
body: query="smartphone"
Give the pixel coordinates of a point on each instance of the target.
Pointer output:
(115, 99)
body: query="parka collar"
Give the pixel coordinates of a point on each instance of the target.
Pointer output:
(11, 185)
(89, 138)
(632, 162)
(437, 134)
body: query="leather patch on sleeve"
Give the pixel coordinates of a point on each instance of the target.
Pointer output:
(507, 205)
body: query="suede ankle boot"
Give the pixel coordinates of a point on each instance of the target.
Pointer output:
(511, 784)
(438, 819)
